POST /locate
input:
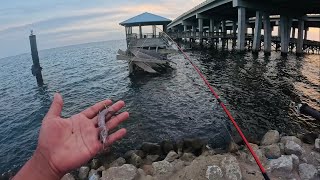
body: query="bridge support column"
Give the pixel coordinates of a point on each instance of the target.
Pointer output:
(285, 24)
(224, 32)
(241, 28)
(234, 32)
(257, 33)
(140, 31)
(267, 33)
(211, 25)
(293, 32)
(299, 50)
(306, 33)
(200, 23)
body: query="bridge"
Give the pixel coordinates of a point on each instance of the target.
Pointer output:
(230, 20)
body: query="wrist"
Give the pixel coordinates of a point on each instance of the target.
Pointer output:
(38, 167)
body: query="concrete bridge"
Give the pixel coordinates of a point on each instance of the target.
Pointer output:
(213, 19)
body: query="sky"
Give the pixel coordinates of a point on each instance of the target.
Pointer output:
(60, 23)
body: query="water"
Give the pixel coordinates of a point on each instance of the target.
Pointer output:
(258, 91)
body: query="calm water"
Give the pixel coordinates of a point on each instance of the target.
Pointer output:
(259, 92)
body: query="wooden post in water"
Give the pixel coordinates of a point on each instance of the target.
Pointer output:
(36, 68)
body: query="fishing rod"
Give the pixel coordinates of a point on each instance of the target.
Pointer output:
(262, 169)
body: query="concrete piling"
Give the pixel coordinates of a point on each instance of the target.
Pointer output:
(36, 68)
(267, 34)
(241, 28)
(257, 32)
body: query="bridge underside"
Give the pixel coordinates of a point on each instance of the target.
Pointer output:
(219, 16)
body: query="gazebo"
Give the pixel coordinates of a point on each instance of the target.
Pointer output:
(145, 19)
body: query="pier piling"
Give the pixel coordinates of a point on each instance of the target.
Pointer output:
(36, 68)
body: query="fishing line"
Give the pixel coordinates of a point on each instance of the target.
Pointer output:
(262, 169)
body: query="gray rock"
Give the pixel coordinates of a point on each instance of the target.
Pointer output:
(295, 160)
(193, 145)
(68, 177)
(317, 145)
(233, 147)
(148, 169)
(293, 148)
(231, 167)
(167, 146)
(272, 151)
(83, 172)
(152, 158)
(178, 164)
(282, 164)
(95, 164)
(126, 171)
(162, 168)
(309, 138)
(214, 173)
(92, 172)
(151, 148)
(307, 171)
(94, 177)
(281, 146)
(135, 160)
(285, 139)
(270, 137)
(172, 155)
(128, 154)
(188, 157)
(118, 162)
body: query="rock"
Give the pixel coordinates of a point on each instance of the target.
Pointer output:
(293, 148)
(231, 167)
(193, 146)
(285, 139)
(126, 171)
(167, 146)
(214, 173)
(188, 157)
(135, 160)
(128, 154)
(162, 168)
(92, 172)
(178, 164)
(272, 151)
(317, 144)
(295, 160)
(118, 162)
(94, 177)
(309, 138)
(95, 164)
(68, 177)
(83, 172)
(270, 137)
(283, 164)
(152, 158)
(102, 168)
(281, 146)
(307, 171)
(151, 148)
(148, 169)
(172, 155)
(233, 147)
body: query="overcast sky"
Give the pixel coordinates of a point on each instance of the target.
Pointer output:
(65, 22)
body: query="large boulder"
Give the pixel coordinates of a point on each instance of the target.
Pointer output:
(68, 177)
(308, 171)
(83, 172)
(270, 137)
(126, 171)
(272, 151)
(214, 173)
(317, 144)
(167, 146)
(172, 155)
(231, 167)
(293, 148)
(118, 162)
(162, 169)
(285, 139)
(151, 148)
(283, 164)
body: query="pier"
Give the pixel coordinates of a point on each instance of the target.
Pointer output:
(215, 21)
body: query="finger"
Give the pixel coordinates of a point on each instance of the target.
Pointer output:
(115, 121)
(112, 109)
(56, 106)
(116, 136)
(92, 111)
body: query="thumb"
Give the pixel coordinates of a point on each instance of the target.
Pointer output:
(56, 106)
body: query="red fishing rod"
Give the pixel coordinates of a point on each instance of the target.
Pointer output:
(262, 169)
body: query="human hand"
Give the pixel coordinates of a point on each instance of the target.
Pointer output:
(65, 144)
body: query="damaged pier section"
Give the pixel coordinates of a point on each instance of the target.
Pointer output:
(147, 52)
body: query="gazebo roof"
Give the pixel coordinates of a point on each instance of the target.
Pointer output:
(145, 19)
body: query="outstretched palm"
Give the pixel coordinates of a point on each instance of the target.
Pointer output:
(68, 143)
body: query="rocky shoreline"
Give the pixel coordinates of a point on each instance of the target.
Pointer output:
(284, 157)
